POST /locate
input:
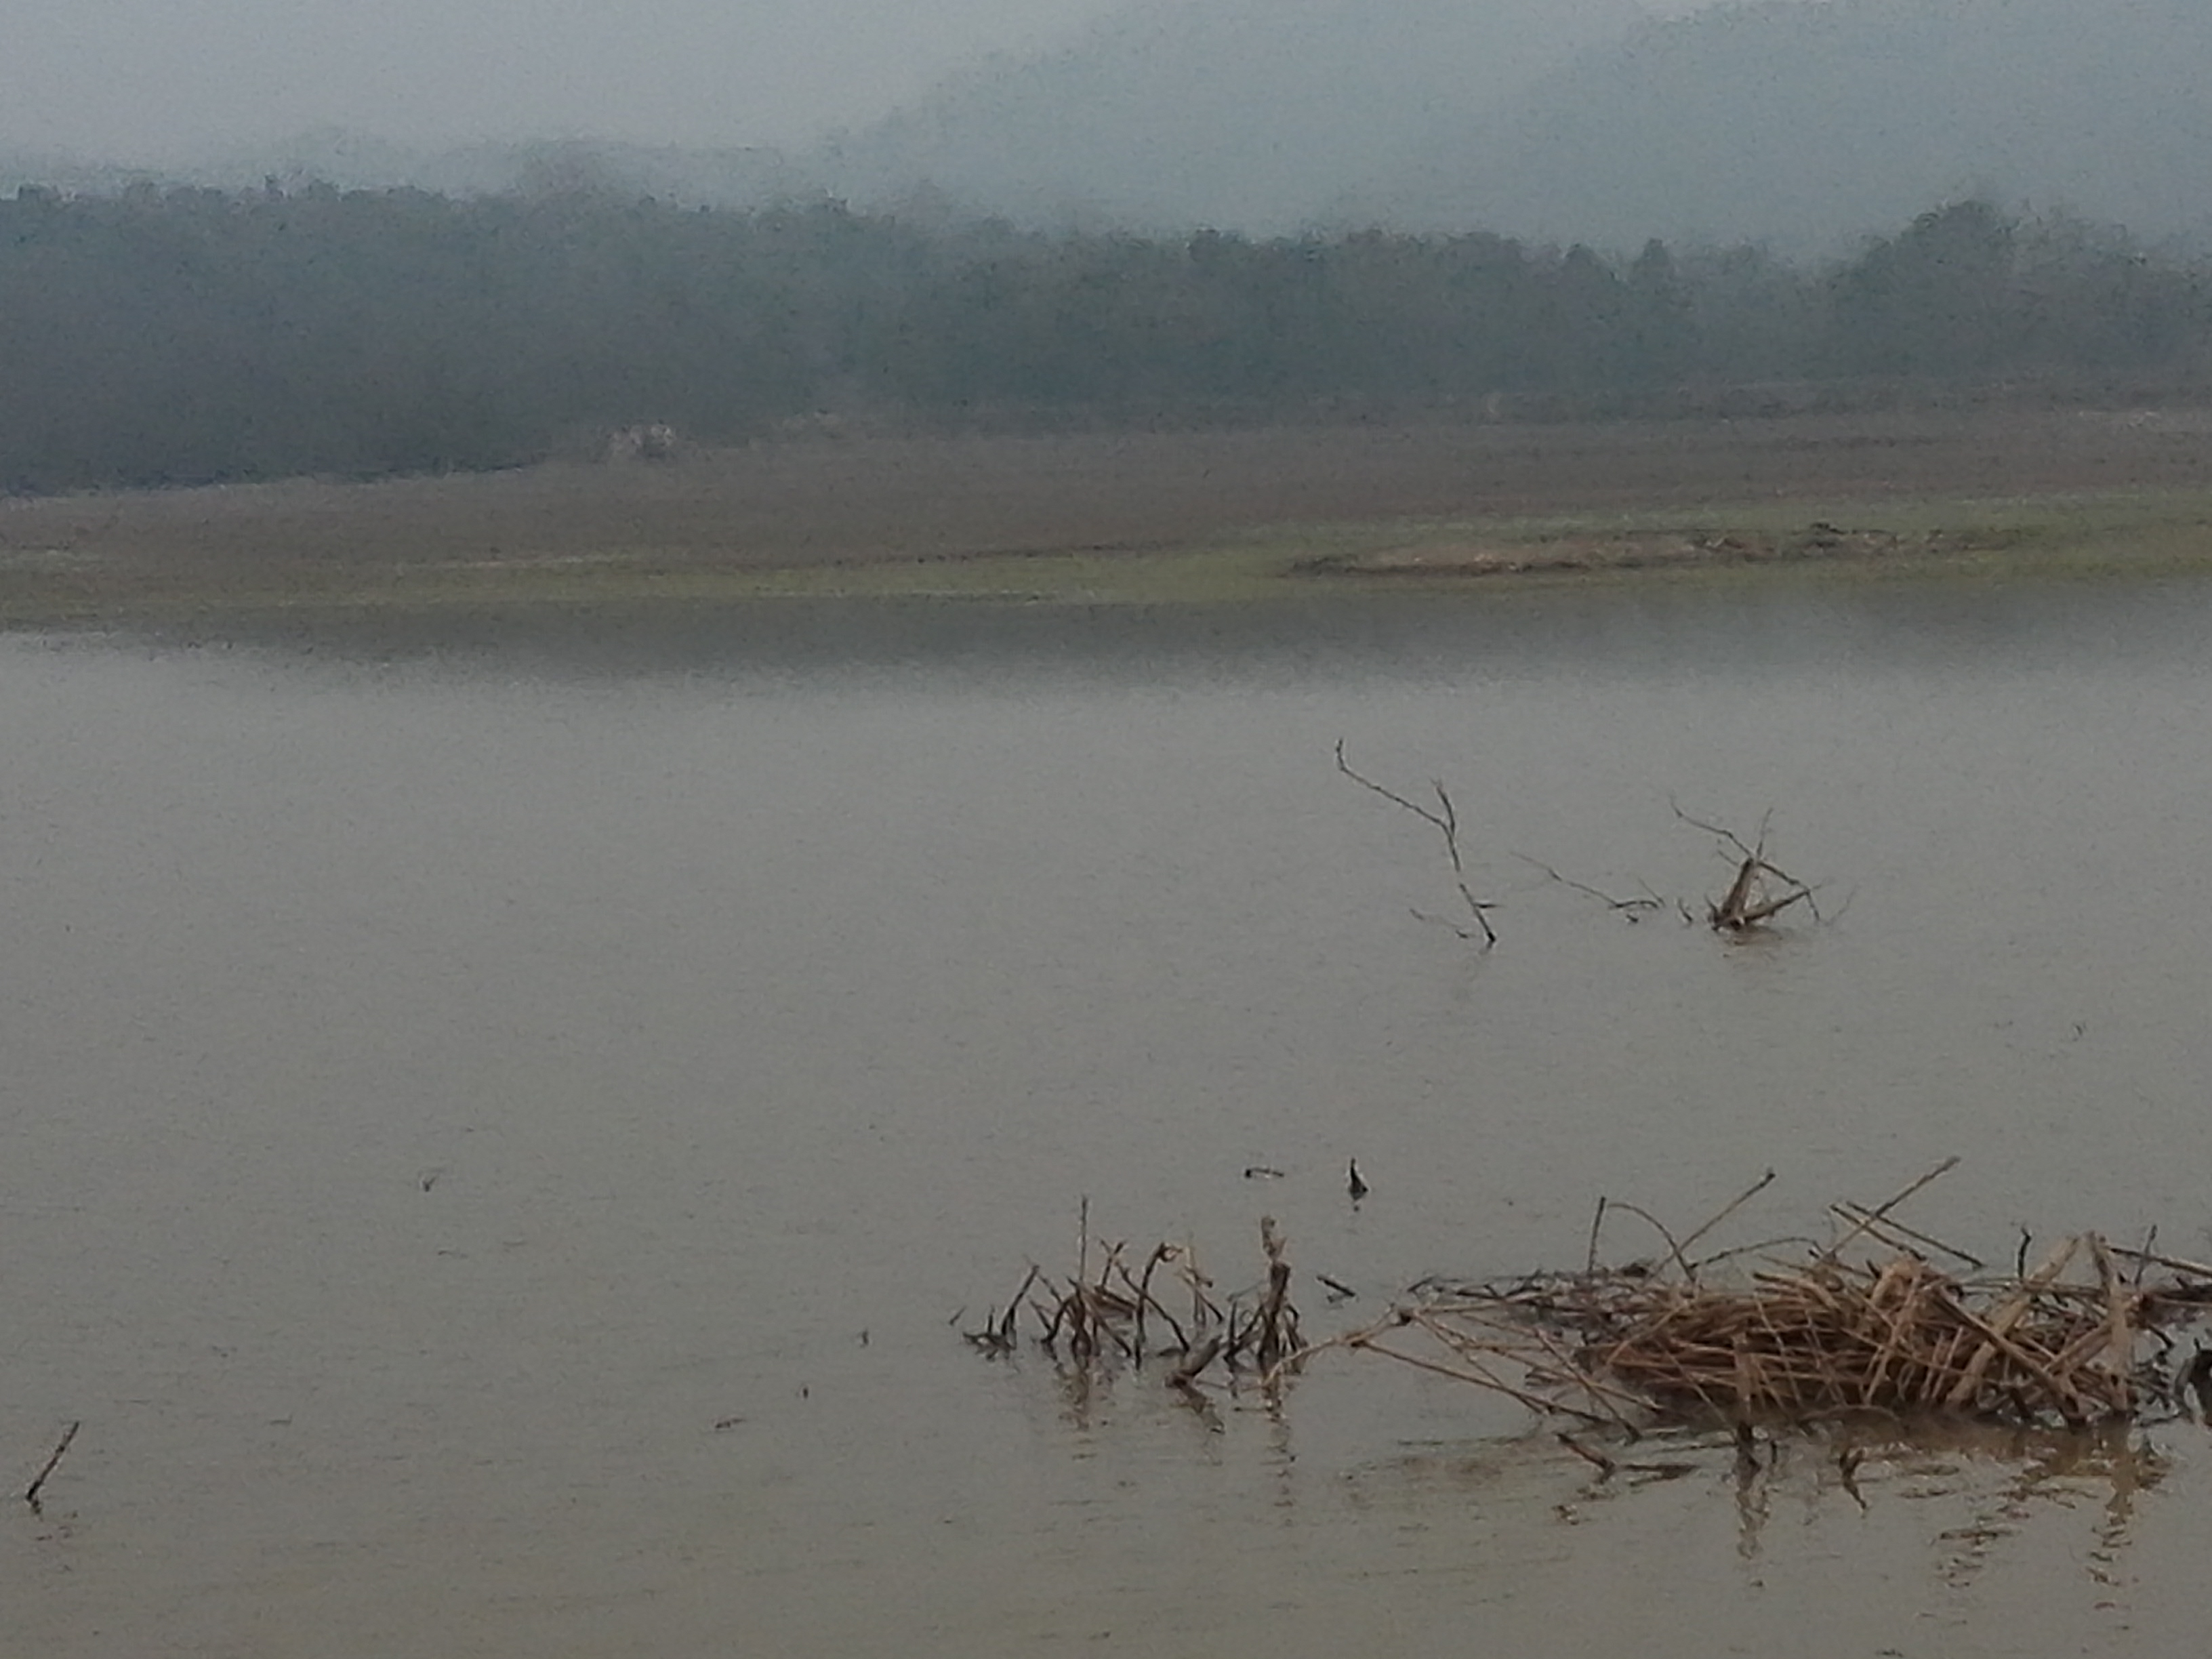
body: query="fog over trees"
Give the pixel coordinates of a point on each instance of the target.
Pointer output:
(1802, 124)
(166, 338)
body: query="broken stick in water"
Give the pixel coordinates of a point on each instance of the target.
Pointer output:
(1752, 899)
(31, 1492)
(1444, 819)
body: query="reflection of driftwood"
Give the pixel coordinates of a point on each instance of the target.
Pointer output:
(1444, 819)
(1761, 890)
(1113, 1310)
(1793, 1340)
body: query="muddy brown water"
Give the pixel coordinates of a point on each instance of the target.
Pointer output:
(501, 1121)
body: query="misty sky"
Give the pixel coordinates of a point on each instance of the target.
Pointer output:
(157, 81)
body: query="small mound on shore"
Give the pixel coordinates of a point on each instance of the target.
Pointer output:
(1640, 549)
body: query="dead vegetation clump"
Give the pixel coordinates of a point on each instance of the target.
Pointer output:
(1161, 1308)
(1867, 1323)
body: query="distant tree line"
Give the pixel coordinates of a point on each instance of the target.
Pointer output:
(190, 336)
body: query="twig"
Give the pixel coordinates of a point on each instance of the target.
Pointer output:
(1660, 1227)
(1728, 1209)
(1605, 1465)
(1186, 1374)
(2193, 1269)
(1013, 1302)
(1083, 1242)
(1847, 1465)
(1647, 900)
(31, 1492)
(1727, 836)
(1880, 1225)
(1879, 1212)
(1480, 1378)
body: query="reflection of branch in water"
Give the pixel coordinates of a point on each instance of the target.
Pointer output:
(2116, 1529)
(2039, 1470)
(2005, 1478)
(1753, 1499)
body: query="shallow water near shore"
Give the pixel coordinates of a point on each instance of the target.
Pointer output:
(506, 1117)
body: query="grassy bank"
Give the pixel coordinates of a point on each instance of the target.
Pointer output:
(1148, 519)
(2067, 537)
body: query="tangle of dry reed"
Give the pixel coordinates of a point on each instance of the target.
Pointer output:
(1869, 1323)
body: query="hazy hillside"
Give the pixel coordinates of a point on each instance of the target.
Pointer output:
(1256, 114)
(1807, 124)
(1802, 124)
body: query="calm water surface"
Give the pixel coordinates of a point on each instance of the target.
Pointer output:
(498, 1119)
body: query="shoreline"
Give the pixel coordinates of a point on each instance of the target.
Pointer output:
(1140, 518)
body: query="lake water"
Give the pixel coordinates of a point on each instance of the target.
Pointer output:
(502, 1120)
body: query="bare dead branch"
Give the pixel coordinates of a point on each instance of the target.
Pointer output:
(1897, 1233)
(1727, 836)
(1880, 1212)
(1444, 817)
(1647, 900)
(1750, 902)
(1658, 1226)
(1728, 1210)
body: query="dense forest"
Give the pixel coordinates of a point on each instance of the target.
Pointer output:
(189, 336)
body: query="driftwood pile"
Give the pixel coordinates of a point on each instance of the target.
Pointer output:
(1761, 891)
(1868, 1323)
(1162, 1309)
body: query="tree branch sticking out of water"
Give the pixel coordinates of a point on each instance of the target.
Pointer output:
(1445, 817)
(1752, 900)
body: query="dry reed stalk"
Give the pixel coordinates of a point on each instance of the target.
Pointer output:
(1103, 1314)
